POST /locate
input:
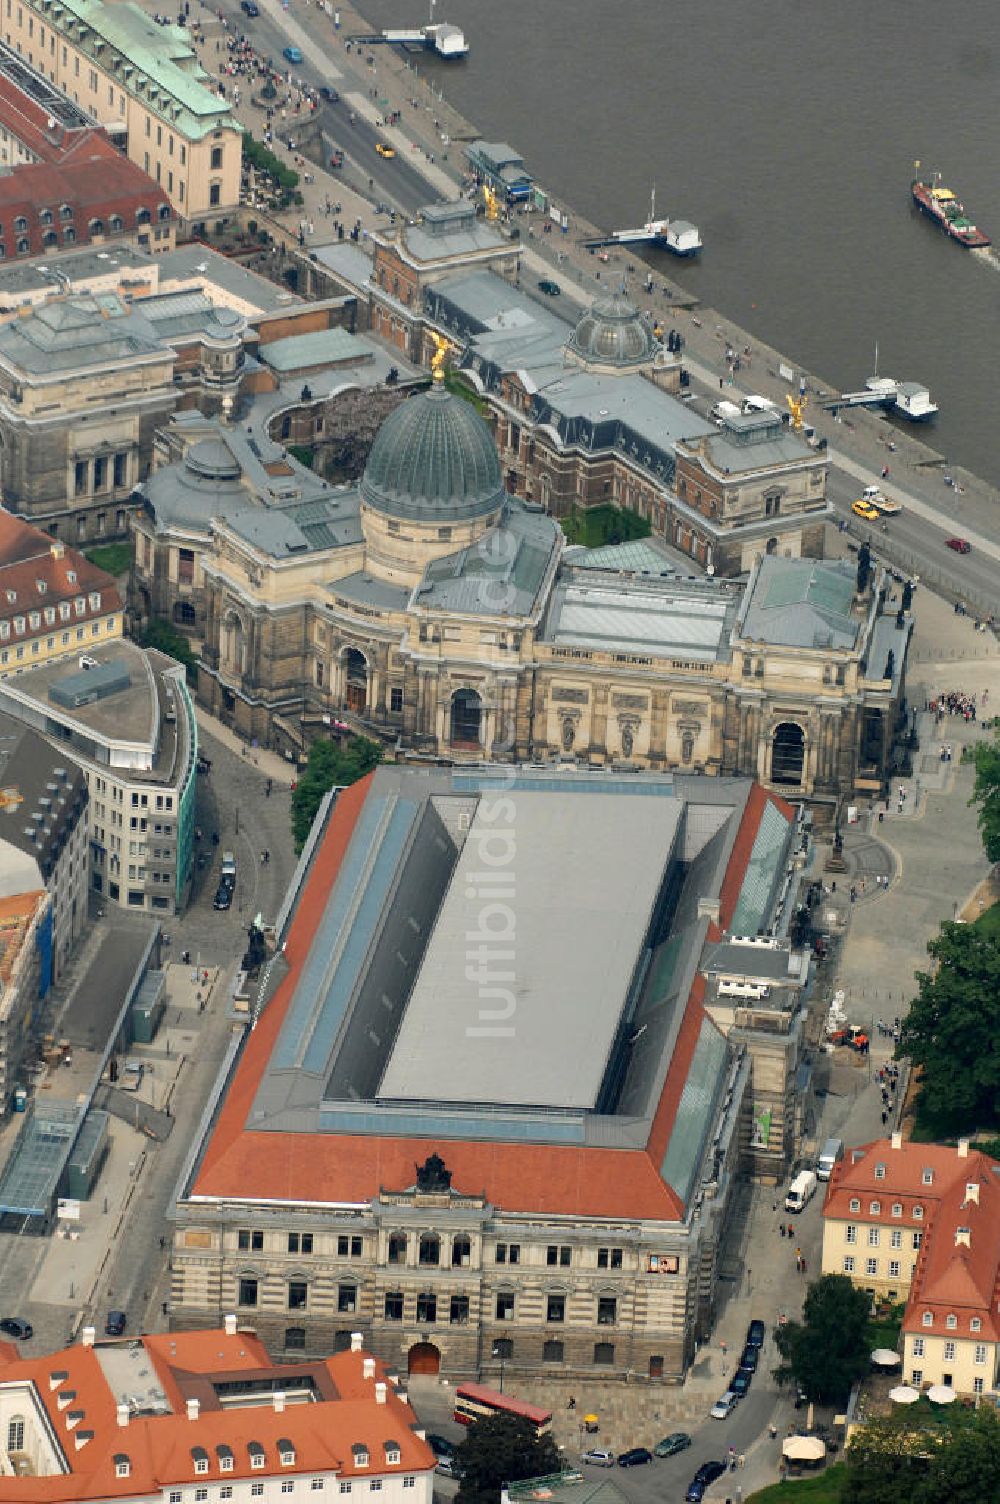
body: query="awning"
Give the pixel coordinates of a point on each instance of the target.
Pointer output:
(904, 1394)
(804, 1449)
(884, 1357)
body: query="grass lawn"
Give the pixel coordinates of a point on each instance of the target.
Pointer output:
(595, 526)
(989, 922)
(116, 558)
(825, 1488)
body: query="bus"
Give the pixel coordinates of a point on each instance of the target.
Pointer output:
(474, 1401)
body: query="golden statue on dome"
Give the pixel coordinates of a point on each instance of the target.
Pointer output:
(442, 348)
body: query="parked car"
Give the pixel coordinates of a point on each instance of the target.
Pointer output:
(440, 1445)
(865, 509)
(250, 8)
(677, 1441)
(750, 1357)
(13, 1326)
(598, 1457)
(116, 1323)
(550, 289)
(755, 1334)
(724, 1407)
(960, 545)
(292, 54)
(384, 150)
(223, 896)
(330, 95)
(703, 1478)
(740, 1383)
(634, 1457)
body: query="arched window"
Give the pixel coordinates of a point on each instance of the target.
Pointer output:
(20, 224)
(96, 227)
(50, 238)
(69, 235)
(430, 1248)
(142, 217)
(45, 216)
(788, 753)
(116, 224)
(22, 246)
(65, 213)
(163, 212)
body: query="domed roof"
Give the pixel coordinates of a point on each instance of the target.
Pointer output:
(213, 460)
(433, 460)
(613, 333)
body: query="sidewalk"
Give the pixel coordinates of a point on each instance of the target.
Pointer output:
(269, 763)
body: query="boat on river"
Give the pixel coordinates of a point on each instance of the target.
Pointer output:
(941, 205)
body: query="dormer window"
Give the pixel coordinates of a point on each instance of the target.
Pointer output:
(12, 596)
(880, 1172)
(976, 1325)
(286, 1452)
(256, 1452)
(360, 1454)
(95, 600)
(392, 1453)
(71, 576)
(80, 605)
(123, 1466)
(225, 1456)
(897, 1208)
(951, 1322)
(34, 620)
(41, 587)
(18, 623)
(855, 1204)
(927, 1319)
(927, 1177)
(201, 1464)
(918, 1213)
(875, 1208)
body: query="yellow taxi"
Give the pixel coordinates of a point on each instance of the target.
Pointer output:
(866, 510)
(383, 150)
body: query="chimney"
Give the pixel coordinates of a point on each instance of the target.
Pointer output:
(971, 1193)
(963, 1237)
(279, 1400)
(122, 1413)
(897, 1140)
(193, 1409)
(355, 1342)
(230, 1325)
(963, 1148)
(380, 1389)
(368, 1368)
(87, 1336)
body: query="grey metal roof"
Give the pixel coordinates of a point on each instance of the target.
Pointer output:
(88, 261)
(583, 899)
(130, 714)
(803, 603)
(283, 532)
(346, 260)
(683, 619)
(764, 963)
(198, 262)
(364, 590)
(501, 574)
(51, 793)
(77, 332)
(433, 460)
(321, 347)
(637, 556)
(754, 441)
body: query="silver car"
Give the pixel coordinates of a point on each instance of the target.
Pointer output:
(723, 1408)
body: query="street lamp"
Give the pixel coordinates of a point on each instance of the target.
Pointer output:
(498, 1352)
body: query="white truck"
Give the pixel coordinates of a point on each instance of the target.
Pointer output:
(831, 1152)
(801, 1191)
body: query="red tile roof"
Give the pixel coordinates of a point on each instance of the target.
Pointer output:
(159, 1446)
(29, 557)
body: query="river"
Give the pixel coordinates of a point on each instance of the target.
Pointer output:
(787, 132)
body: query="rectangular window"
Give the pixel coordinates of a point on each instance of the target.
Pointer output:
(247, 1292)
(426, 1309)
(256, 1490)
(918, 1238)
(980, 1352)
(949, 1352)
(508, 1253)
(893, 1268)
(300, 1242)
(298, 1294)
(607, 1310)
(347, 1297)
(977, 1386)
(873, 1236)
(609, 1258)
(394, 1306)
(871, 1266)
(247, 1240)
(556, 1308)
(395, 700)
(216, 163)
(918, 1347)
(505, 1306)
(459, 1315)
(896, 1237)
(848, 1263)
(851, 1234)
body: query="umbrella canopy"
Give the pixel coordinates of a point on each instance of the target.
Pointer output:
(803, 1449)
(904, 1394)
(884, 1357)
(941, 1394)
(590, 1419)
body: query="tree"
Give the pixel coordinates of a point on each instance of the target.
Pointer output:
(948, 1460)
(502, 1449)
(331, 764)
(951, 1030)
(161, 635)
(986, 793)
(828, 1349)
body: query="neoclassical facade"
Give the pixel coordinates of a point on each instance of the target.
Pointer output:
(433, 609)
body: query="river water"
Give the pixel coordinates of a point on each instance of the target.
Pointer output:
(787, 132)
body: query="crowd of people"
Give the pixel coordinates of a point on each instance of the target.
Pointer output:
(957, 703)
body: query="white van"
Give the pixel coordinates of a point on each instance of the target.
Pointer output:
(801, 1191)
(831, 1151)
(723, 409)
(759, 405)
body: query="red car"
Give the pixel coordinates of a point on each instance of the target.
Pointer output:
(960, 545)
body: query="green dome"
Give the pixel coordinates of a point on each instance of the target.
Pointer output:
(433, 460)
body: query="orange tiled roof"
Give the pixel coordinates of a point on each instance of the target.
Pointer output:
(958, 1271)
(29, 557)
(854, 1176)
(159, 1446)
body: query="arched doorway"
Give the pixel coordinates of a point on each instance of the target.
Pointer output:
(234, 645)
(772, 545)
(356, 681)
(466, 720)
(423, 1357)
(788, 751)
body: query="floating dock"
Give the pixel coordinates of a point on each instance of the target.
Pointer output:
(442, 38)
